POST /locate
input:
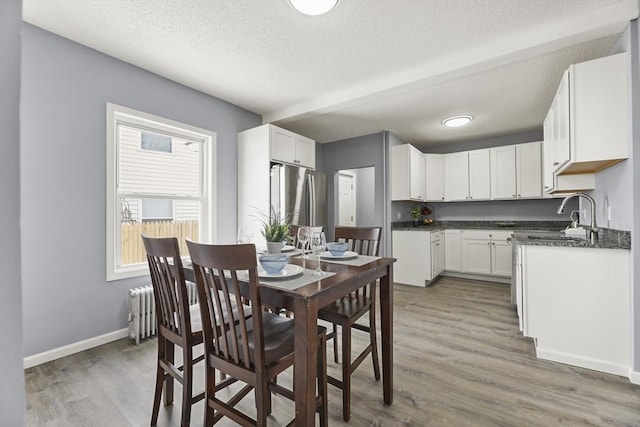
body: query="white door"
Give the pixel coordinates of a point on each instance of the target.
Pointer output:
(457, 176)
(346, 199)
(479, 175)
(529, 166)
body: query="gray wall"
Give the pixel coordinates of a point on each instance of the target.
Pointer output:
(12, 397)
(363, 151)
(619, 185)
(64, 90)
(497, 141)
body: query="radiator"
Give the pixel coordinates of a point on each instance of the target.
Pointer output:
(142, 311)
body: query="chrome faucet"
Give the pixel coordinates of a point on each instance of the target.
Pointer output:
(593, 228)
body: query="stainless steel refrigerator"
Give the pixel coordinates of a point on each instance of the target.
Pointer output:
(300, 193)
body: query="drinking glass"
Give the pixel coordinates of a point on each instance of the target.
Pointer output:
(318, 244)
(304, 235)
(245, 234)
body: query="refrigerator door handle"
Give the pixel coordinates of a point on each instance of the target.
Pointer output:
(312, 200)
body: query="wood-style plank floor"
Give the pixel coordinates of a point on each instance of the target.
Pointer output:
(459, 361)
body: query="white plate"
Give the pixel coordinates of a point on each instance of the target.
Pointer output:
(288, 271)
(288, 248)
(346, 255)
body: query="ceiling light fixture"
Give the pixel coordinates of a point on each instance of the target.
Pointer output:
(457, 121)
(313, 7)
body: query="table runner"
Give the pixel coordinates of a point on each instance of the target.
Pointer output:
(357, 262)
(294, 282)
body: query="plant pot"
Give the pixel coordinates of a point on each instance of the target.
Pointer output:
(417, 222)
(274, 247)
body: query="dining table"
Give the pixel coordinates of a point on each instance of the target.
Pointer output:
(317, 291)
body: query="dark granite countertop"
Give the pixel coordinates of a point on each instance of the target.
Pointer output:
(545, 233)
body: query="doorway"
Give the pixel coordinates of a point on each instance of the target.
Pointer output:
(355, 197)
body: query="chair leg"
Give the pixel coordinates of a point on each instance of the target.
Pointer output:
(335, 343)
(374, 342)
(262, 395)
(322, 381)
(210, 377)
(346, 372)
(159, 383)
(168, 383)
(187, 385)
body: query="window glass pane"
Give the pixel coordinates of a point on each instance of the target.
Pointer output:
(155, 142)
(184, 225)
(151, 172)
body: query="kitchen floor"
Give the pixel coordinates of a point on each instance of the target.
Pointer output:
(459, 361)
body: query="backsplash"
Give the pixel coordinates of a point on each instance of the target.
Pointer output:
(490, 210)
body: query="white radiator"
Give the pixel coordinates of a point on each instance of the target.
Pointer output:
(142, 311)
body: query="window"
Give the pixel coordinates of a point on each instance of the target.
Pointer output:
(160, 183)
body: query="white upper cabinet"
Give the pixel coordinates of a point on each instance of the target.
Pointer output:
(599, 114)
(588, 124)
(468, 175)
(479, 175)
(289, 147)
(407, 173)
(516, 171)
(434, 177)
(457, 176)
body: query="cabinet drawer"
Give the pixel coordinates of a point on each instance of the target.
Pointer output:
(436, 236)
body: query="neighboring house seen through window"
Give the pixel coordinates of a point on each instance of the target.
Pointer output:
(159, 183)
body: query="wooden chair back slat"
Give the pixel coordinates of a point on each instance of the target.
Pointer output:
(167, 278)
(363, 241)
(217, 269)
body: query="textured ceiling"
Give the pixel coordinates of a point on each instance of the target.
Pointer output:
(366, 66)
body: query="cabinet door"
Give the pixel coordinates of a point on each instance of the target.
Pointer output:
(452, 251)
(479, 175)
(561, 124)
(503, 172)
(305, 152)
(501, 258)
(416, 174)
(283, 145)
(437, 258)
(434, 177)
(476, 256)
(529, 170)
(547, 153)
(457, 173)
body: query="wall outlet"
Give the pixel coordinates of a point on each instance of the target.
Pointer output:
(399, 215)
(609, 213)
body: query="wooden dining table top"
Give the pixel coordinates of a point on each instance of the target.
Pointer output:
(305, 301)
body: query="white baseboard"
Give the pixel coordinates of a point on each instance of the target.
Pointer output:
(57, 353)
(583, 362)
(634, 377)
(495, 279)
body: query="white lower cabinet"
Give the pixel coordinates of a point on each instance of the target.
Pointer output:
(486, 252)
(575, 303)
(416, 263)
(437, 253)
(452, 250)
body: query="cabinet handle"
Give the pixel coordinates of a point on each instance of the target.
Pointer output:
(519, 195)
(556, 163)
(513, 195)
(443, 198)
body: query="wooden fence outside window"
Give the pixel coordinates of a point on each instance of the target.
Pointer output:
(132, 250)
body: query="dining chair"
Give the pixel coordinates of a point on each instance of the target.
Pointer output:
(178, 324)
(253, 351)
(346, 311)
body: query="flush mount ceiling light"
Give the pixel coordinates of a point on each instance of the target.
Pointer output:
(457, 121)
(313, 7)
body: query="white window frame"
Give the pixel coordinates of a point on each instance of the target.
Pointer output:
(116, 115)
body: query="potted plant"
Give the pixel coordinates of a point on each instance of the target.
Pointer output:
(275, 229)
(416, 214)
